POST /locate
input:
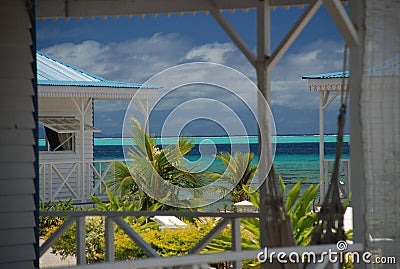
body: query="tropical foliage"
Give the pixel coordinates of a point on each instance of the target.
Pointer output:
(298, 207)
(150, 163)
(238, 173)
(66, 245)
(154, 168)
(48, 223)
(166, 242)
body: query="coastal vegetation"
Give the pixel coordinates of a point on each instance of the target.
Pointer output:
(124, 194)
(150, 163)
(239, 171)
(172, 242)
(298, 208)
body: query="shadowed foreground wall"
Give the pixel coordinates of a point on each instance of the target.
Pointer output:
(17, 137)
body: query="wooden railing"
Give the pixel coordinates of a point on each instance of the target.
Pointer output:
(74, 180)
(344, 178)
(193, 259)
(117, 217)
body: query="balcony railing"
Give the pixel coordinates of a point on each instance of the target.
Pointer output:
(74, 180)
(191, 260)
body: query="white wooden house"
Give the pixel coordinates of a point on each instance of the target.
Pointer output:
(67, 170)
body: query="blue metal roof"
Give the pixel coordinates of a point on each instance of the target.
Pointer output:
(53, 72)
(328, 75)
(390, 67)
(105, 83)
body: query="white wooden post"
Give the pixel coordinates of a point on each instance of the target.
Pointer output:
(82, 108)
(80, 240)
(82, 148)
(357, 14)
(236, 241)
(109, 239)
(321, 145)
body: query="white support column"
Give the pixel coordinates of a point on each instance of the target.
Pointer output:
(236, 241)
(109, 240)
(80, 240)
(321, 145)
(82, 107)
(263, 80)
(357, 13)
(82, 147)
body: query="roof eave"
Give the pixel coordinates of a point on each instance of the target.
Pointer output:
(91, 8)
(327, 84)
(100, 93)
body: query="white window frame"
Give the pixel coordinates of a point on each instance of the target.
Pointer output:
(64, 125)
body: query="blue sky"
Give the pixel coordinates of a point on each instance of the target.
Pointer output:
(137, 48)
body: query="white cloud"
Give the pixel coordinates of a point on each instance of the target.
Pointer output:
(133, 60)
(288, 89)
(139, 59)
(214, 52)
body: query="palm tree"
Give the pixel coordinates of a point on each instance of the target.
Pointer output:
(239, 172)
(151, 164)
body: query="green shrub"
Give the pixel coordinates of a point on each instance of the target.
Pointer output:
(166, 242)
(66, 245)
(47, 223)
(299, 209)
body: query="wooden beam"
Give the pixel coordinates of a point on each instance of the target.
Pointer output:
(293, 33)
(343, 22)
(214, 258)
(288, 3)
(210, 236)
(230, 31)
(56, 235)
(190, 214)
(135, 237)
(102, 8)
(93, 8)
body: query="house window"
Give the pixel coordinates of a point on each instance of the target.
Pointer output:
(59, 141)
(61, 132)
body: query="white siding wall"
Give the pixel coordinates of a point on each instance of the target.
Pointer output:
(17, 141)
(65, 107)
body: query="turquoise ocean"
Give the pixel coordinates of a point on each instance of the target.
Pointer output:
(296, 156)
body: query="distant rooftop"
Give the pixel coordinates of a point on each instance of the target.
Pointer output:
(328, 75)
(390, 67)
(57, 79)
(53, 72)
